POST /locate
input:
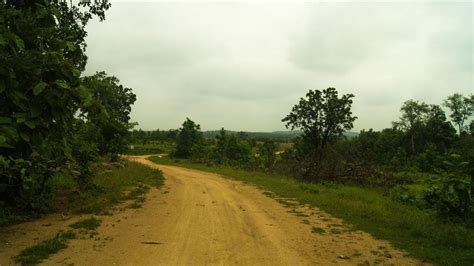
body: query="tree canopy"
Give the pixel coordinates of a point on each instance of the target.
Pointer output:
(322, 116)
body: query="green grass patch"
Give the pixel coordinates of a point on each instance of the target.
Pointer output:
(88, 224)
(37, 253)
(115, 186)
(317, 230)
(368, 209)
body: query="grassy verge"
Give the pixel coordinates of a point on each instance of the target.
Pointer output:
(131, 182)
(407, 227)
(87, 224)
(111, 186)
(113, 183)
(37, 253)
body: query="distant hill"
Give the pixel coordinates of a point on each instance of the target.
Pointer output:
(280, 136)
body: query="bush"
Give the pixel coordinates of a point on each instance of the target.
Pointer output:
(449, 193)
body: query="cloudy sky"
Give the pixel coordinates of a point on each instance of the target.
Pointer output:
(243, 65)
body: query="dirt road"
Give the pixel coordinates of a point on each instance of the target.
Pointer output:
(202, 218)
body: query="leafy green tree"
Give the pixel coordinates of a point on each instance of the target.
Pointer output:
(189, 135)
(109, 112)
(42, 54)
(437, 129)
(450, 191)
(461, 109)
(471, 128)
(413, 115)
(221, 147)
(267, 154)
(322, 116)
(238, 152)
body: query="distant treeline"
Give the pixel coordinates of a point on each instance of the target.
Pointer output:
(146, 136)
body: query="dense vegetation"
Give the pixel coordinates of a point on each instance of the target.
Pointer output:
(370, 209)
(411, 183)
(421, 159)
(53, 120)
(61, 130)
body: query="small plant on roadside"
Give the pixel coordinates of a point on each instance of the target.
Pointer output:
(318, 230)
(37, 253)
(88, 224)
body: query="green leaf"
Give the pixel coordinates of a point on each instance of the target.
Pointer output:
(71, 47)
(9, 132)
(5, 120)
(35, 111)
(19, 43)
(31, 124)
(61, 83)
(19, 99)
(25, 136)
(3, 143)
(76, 72)
(2, 86)
(39, 88)
(2, 41)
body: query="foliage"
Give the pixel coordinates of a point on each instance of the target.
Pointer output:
(368, 209)
(152, 147)
(51, 119)
(109, 113)
(144, 137)
(37, 253)
(461, 109)
(88, 224)
(413, 113)
(189, 134)
(322, 117)
(449, 193)
(267, 156)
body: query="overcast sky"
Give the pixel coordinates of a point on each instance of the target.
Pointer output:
(242, 65)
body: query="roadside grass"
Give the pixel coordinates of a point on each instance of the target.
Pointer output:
(10, 215)
(116, 186)
(107, 188)
(371, 210)
(89, 224)
(317, 230)
(37, 253)
(113, 184)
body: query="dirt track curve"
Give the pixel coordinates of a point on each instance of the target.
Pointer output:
(200, 218)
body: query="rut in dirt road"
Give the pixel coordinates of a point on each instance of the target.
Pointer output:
(202, 218)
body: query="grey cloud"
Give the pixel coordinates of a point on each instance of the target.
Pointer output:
(243, 65)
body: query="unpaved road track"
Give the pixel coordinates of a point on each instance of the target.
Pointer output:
(201, 218)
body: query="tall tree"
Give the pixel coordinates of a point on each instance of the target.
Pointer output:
(461, 109)
(109, 112)
(189, 135)
(322, 116)
(42, 55)
(413, 115)
(437, 129)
